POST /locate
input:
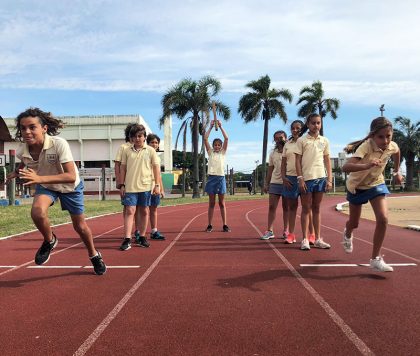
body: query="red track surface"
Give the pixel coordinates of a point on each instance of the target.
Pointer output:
(213, 293)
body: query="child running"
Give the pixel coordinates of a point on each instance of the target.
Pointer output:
(274, 186)
(216, 183)
(314, 176)
(154, 141)
(366, 183)
(139, 165)
(47, 162)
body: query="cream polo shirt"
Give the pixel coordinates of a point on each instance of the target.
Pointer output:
(289, 154)
(139, 168)
(312, 151)
(371, 177)
(216, 163)
(275, 160)
(121, 150)
(55, 152)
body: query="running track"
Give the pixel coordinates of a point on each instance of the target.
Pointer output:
(211, 294)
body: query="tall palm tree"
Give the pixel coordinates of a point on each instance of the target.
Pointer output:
(192, 97)
(263, 103)
(314, 102)
(183, 130)
(407, 136)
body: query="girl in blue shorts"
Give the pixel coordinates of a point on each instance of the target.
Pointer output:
(366, 183)
(216, 183)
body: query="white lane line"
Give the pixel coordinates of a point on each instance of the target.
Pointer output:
(348, 332)
(87, 344)
(8, 266)
(52, 267)
(353, 264)
(115, 267)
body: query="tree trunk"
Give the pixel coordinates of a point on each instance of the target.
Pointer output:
(196, 177)
(321, 132)
(203, 166)
(265, 141)
(409, 163)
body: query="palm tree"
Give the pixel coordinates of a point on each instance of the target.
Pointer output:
(314, 102)
(183, 130)
(265, 103)
(407, 136)
(192, 97)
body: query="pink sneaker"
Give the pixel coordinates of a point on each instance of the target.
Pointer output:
(311, 239)
(290, 239)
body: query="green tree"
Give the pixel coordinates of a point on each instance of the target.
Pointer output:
(313, 101)
(186, 100)
(407, 136)
(263, 103)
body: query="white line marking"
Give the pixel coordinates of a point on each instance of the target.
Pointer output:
(351, 335)
(115, 267)
(87, 344)
(7, 266)
(353, 264)
(52, 267)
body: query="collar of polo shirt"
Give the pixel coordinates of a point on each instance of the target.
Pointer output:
(47, 144)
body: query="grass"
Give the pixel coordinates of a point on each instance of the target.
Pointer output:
(17, 219)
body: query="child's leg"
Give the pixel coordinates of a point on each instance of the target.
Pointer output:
(212, 203)
(316, 212)
(273, 202)
(130, 211)
(311, 224)
(380, 208)
(354, 216)
(142, 219)
(306, 201)
(285, 207)
(82, 228)
(292, 208)
(153, 216)
(222, 207)
(39, 214)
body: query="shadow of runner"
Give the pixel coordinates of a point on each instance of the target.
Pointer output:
(22, 282)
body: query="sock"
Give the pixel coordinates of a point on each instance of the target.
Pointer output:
(154, 230)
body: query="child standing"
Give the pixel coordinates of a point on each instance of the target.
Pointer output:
(154, 141)
(216, 183)
(314, 176)
(49, 164)
(274, 186)
(366, 183)
(139, 165)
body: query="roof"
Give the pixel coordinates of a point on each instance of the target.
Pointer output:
(4, 132)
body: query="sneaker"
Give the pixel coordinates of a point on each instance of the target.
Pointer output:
(126, 245)
(157, 236)
(98, 263)
(379, 264)
(142, 241)
(290, 239)
(285, 234)
(311, 239)
(267, 235)
(305, 245)
(226, 228)
(320, 243)
(347, 242)
(209, 228)
(43, 254)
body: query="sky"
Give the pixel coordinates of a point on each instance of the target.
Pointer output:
(103, 57)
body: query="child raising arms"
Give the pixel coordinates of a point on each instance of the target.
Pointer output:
(314, 176)
(50, 166)
(366, 183)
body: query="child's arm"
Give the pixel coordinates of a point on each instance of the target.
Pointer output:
(15, 173)
(162, 188)
(206, 137)
(225, 137)
(353, 164)
(396, 158)
(301, 182)
(31, 177)
(121, 181)
(283, 167)
(156, 175)
(117, 169)
(268, 178)
(327, 164)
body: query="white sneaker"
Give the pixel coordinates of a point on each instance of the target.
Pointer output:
(305, 245)
(320, 243)
(379, 264)
(347, 242)
(268, 235)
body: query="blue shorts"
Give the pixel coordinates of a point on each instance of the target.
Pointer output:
(73, 202)
(293, 192)
(155, 200)
(275, 189)
(216, 185)
(316, 185)
(136, 199)
(362, 196)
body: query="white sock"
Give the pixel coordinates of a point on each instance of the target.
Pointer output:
(154, 230)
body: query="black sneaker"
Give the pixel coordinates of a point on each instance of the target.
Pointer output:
(142, 241)
(126, 245)
(98, 263)
(209, 228)
(157, 236)
(43, 254)
(226, 228)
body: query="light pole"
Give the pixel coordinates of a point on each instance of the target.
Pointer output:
(382, 109)
(256, 176)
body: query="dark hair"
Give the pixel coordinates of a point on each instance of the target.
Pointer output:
(302, 127)
(217, 140)
(45, 118)
(151, 137)
(376, 125)
(137, 128)
(127, 131)
(281, 143)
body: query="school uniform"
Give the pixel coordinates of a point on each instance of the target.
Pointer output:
(216, 182)
(276, 182)
(365, 185)
(289, 155)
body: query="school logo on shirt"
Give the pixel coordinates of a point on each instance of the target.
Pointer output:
(321, 146)
(51, 158)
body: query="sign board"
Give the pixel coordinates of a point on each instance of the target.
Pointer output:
(2, 160)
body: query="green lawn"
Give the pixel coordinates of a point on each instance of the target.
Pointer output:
(17, 219)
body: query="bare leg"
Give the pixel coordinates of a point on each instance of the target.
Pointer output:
(273, 202)
(380, 208)
(39, 214)
(293, 204)
(311, 224)
(153, 217)
(128, 220)
(306, 201)
(142, 219)
(82, 228)
(212, 203)
(354, 217)
(316, 212)
(285, 207)
(222, 207)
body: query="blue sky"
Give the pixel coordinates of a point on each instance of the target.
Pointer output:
(119, 57)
